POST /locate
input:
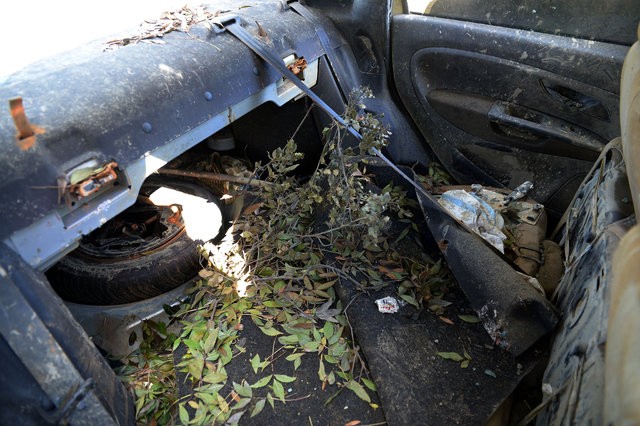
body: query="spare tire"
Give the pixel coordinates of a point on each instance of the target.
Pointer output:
(143, 252)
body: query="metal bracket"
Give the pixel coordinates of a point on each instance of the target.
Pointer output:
(323, 37)
(63, 412)
(220, 23)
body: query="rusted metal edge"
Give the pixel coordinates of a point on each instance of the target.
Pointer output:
(26, 132)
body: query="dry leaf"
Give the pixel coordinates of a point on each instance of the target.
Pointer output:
(446, 320)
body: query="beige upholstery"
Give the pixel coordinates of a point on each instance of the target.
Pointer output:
(630, 120)
(622, 362)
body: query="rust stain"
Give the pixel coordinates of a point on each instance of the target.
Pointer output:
(26, 132)
(97, 180)
(177, 214)
(298, 67)
(443, 245)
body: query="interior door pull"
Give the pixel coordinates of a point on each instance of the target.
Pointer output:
(575, 101)
(527, 129)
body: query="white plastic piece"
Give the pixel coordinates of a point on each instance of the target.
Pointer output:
(474, 212)
(387, 305)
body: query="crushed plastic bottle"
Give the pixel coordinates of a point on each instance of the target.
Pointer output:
(477, 214)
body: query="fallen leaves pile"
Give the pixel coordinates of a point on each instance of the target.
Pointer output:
(279, 267)
(153, 30)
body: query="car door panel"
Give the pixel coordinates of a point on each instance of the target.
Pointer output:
(499, 106)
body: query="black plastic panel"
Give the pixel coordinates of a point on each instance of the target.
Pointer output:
(613, 21)
(119, 104)
(499, 106)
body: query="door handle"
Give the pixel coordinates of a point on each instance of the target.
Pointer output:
(524, 128)
(575, 101)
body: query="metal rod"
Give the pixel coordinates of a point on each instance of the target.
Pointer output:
(217, 176)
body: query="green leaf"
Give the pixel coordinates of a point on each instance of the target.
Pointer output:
(453, 356)
(369, 383)
(328, 330)
(358, 390)
(184, 415)
(331, 378)
(311, 346)
(194, 347)
(464, 364)
(255, 363)
(336, 336)
(469, 318)
(402, 235)
(294, 356)
(296, 359)
(270, 331)
(290, 339)
(316, 334)
(278, 390)
(270, 400)
(284, 378)
(226, 353)
(176, 343)
(332, 397)
(322, 375)
(266, 272)
(241, 404)
(409, 299)
(262, 382)
(215, 377)
(243, 390)
(210, 343)
(258, 407)
(195, 367)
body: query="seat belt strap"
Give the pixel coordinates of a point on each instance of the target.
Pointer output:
(334, 64)
(233, 24)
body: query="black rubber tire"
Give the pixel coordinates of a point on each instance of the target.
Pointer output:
(81, 279)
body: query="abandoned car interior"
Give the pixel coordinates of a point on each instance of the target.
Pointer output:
(328, 213)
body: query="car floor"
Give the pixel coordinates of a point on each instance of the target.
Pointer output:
(434, 362)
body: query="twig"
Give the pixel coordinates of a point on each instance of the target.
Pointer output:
(216, 176)
(356, 352)
(328, 231)
(300, 398)
(302, 121)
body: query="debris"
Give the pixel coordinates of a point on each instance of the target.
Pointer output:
(519, 192)
(472, 319)
(477, 214)
(178, 20)
(514, 314)
(490, 373)
(387, 305)
(453, 356)
(325, 313)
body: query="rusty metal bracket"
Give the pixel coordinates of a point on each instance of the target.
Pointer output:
(26, 132)
(96, 181)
